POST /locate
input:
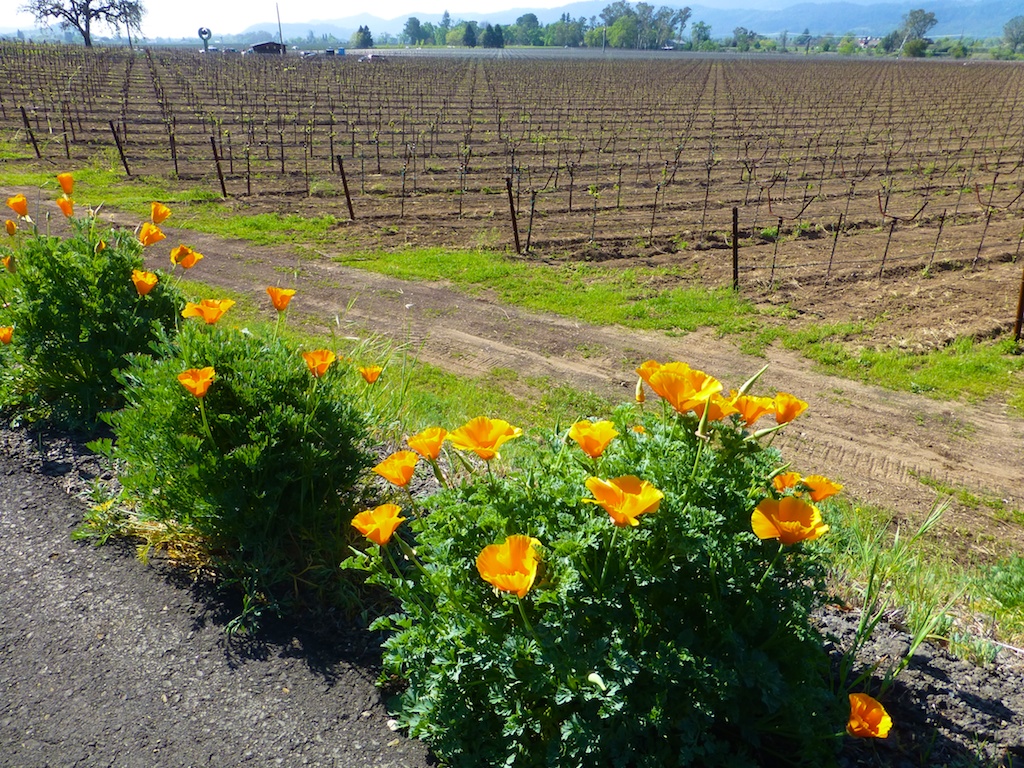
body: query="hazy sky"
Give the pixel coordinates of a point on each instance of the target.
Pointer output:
(182, 18)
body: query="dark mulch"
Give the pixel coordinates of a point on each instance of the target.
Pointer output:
(105, 661)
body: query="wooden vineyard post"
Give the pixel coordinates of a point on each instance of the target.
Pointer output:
(775, 255)
(835, 242)
(344, 185)
(881, 268)
(935, 248)
(120, 149)
(529, 226)
(1020, 310)
(220, 172)
(32, 136)
(512, 211)
(735, 249)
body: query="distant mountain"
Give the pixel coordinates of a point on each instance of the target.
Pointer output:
(970, 18)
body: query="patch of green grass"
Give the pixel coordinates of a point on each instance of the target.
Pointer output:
(592, 293)
(972, 500)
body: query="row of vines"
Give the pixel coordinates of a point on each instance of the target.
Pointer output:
(839, 170)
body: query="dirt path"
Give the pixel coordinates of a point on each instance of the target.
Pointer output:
(877, 442)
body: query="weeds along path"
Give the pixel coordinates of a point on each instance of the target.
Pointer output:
(888, 448)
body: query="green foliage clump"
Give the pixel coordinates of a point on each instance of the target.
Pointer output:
(264, 469)
(77, 316)
(685, 640)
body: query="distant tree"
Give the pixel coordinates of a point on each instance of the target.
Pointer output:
(499, 36)
(446, 21)
(681, 16)
(890, 42)
(469, 35)
(413, 30)
(783, 39)
(1013, 32)
(623, 33)
(526, 31)
(915, 26)
(616, 11)
(428, 33)
(915, 48)
(803, 40)
(848, 45)
(487, 37)
(700, 33)
(362, 38)
(743, 38)
(81, 15)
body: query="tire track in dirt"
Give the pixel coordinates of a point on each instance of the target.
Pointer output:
(875, 441)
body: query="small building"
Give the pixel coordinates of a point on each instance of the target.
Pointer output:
(269, 48)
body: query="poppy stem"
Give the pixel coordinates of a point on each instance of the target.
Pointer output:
(437, 472)
(408, 552)
(526, 619)
(206, 424)
(771, 566)
(607, 557)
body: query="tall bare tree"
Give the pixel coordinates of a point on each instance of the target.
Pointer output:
(82, 15)
(1013, 32)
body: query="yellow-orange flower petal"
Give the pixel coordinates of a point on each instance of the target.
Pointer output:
(18, 204)
(397, 468)
(428, 442)
(820, 487)
(210, 310)
(593, 436)
(144, 281)
(786, 481)
(379, 524)
(685, 388)
(624, 498)
(510, 566)
(868, 718)
(318, 361)
(718, 409)
(483, 436)
(150, 234)
(158, 212)
(280, 297)
(6, 332)
(789, 519)
(751, 407)
(67, 206)
(185, 257)
(197, 380)
(788, 407)
(11, 227)
(370, 373)
(67, 182)
(8, 263)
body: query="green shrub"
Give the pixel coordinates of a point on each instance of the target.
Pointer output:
(684, 640)
(263, 470)
(77, 316)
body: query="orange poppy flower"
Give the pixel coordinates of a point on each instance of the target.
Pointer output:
(150, 234)
(719, 408)
(185, 257)
(685, 388)
(510, 566)
(820, 487)
(197, 380)
(639, 429)
(8, 262)
(6, 332)
(786, 481)
(428, 442)
(158, 212)
(483, 436)
(280, 297)
(101, 246)
(624, 498)
(788, 407)
(789, 519)
(750, 407)
(144, 281)
(67, 182)
(11, 227)
(371, 373)
(318, 361)
(868, 718)
(593, 437)
(397, 468)
(379, 524)
(67, 206)
(18, 204)
(639, 395)
(208, 309)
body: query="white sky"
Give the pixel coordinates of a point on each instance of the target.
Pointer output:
(181, 18)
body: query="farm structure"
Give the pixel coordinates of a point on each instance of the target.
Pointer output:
(839, 169)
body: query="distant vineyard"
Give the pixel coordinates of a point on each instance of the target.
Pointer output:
(839, 169)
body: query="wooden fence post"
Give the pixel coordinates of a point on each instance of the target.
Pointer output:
(735, 249)
(512, 210)
(120, 149)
